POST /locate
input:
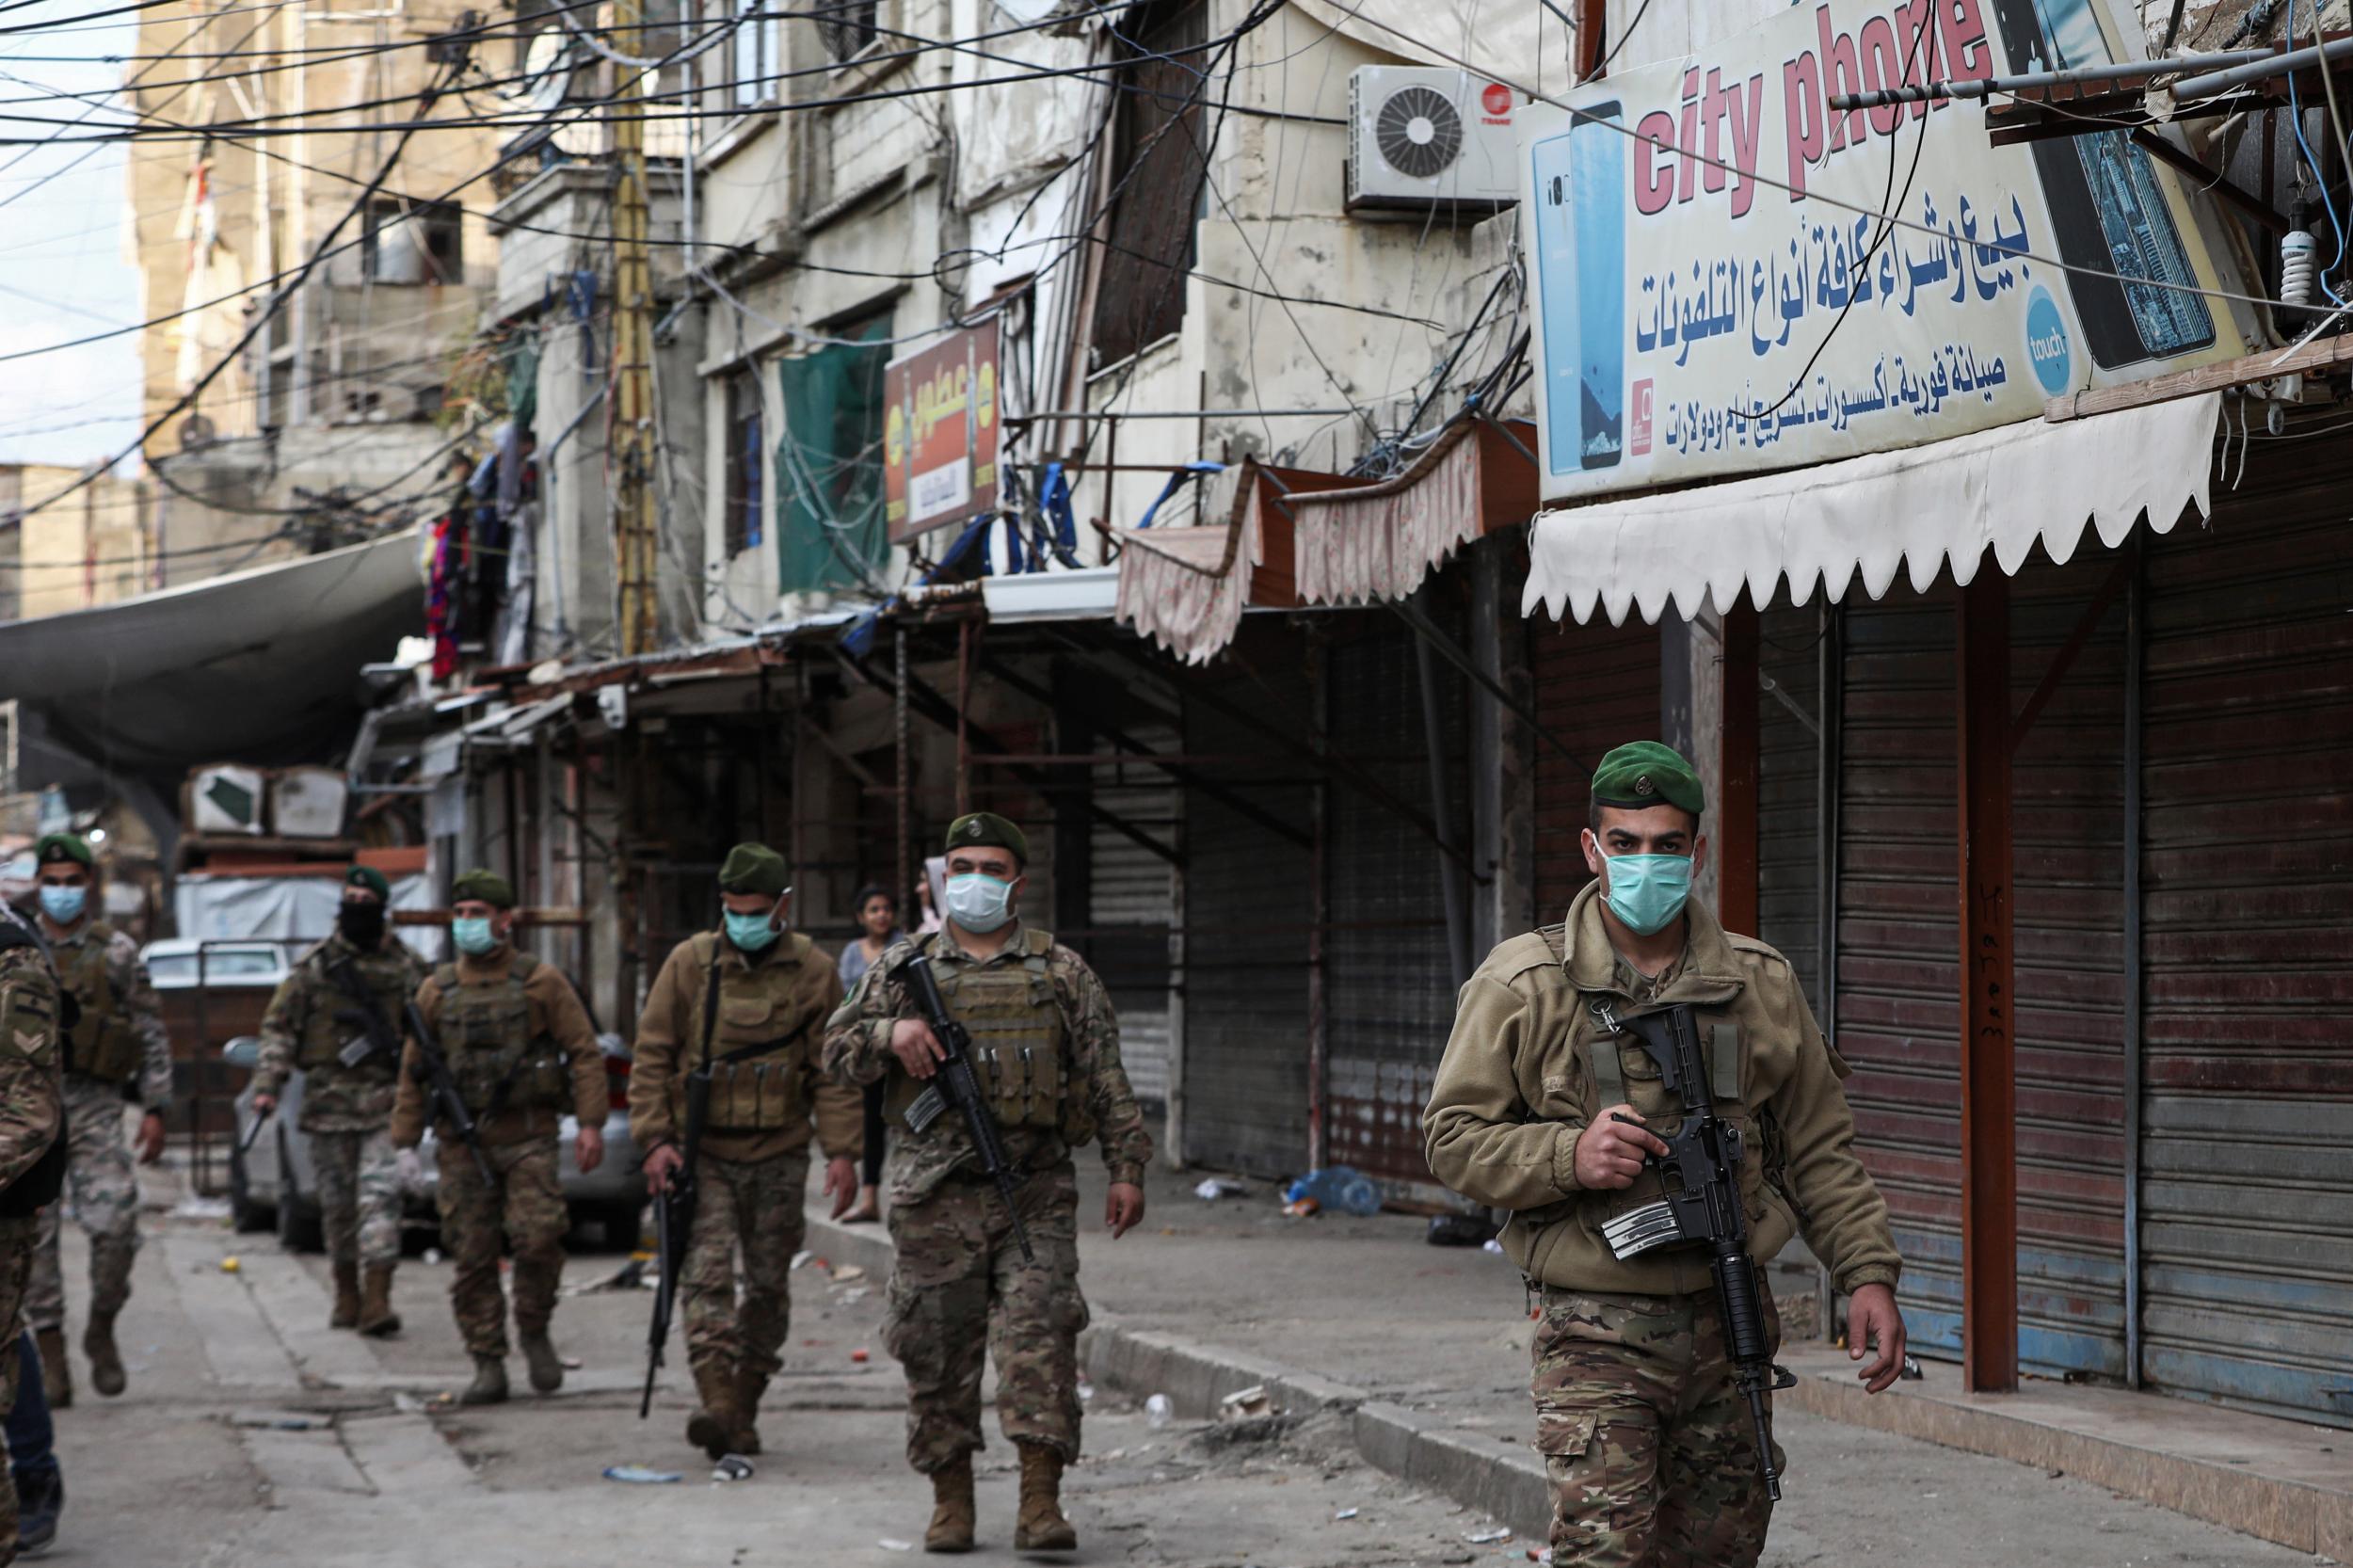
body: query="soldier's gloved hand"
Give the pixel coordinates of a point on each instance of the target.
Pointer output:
(1610, 1152)
(917, 1048)
(265, 1104)
(411, 1166)
(660, 1164)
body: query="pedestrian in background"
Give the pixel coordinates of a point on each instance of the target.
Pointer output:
(39, 1483)
(879, 932)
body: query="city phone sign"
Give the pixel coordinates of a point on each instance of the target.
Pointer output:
(941, 431)
(1713, 292)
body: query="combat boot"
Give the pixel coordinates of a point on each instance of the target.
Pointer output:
(547, 1368)
(106, 1362)
(952, 1508)
(748, 1389)
(1041, 1527)
(712, 1427)
(377, 1317)
(346, 1313)
(489, 1382)
(56, 1373)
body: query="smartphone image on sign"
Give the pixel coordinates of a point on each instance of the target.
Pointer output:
(1579, 239)
(2107, 209)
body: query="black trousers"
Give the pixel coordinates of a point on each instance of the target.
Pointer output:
(873, 1176)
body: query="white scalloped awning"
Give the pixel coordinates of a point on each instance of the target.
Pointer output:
(1923, 506)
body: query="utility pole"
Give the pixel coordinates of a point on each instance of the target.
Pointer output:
(633, 438)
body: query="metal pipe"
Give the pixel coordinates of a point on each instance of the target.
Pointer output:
(1441, 813)
(2269, 65)
(2032, 80)
(2136, 636)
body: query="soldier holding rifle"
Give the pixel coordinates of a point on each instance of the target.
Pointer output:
(1589, 1061)
(723, 1094)
(983, 1195)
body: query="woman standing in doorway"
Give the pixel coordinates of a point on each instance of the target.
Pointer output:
(879, 928)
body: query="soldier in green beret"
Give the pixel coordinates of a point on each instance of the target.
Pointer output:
(524, 1054)
(743, 1006)
(1646, 1436)
(118, 1046)
(1046, 1048)
(337, 1020)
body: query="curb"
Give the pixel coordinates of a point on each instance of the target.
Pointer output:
(1506, 1483)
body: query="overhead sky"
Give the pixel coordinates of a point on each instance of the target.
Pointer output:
(63, 273)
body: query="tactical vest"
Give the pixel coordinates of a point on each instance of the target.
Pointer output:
(498, 1064)
(324, 1033)
(1021, 1042)
(103, 1045)
(752, 1089)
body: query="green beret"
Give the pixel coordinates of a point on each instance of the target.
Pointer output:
(1645, 773)
(370, 878)
(53, 847)
(490, 887)
(979, 829)
(753, 869)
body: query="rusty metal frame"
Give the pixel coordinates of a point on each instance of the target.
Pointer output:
(1989, 1094)
(2136, 639)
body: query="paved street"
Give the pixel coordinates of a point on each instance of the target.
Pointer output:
(195, 1466)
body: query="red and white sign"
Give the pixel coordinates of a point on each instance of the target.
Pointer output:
(942, 433)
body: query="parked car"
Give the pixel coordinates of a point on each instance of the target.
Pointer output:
(172, 962)
(275, 1183)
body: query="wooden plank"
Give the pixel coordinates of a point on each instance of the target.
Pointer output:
(2320, 354)
(1989, 1162)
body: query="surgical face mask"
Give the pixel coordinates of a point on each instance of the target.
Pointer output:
(474, 936)
(63, 904)
(1647, 890)
(752, 933)
(979, 904)
(362, 924)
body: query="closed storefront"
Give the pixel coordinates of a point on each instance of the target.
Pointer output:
(2248, 875)
(1389, 987)
(1131, 900)
(1791, 647)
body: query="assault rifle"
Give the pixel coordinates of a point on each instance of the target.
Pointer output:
(955, 1084)
(1702, 1171)
(446, 1100)
(674, 1209)
(376, 1036)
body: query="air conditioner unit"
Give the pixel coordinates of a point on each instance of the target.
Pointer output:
(1421, 137)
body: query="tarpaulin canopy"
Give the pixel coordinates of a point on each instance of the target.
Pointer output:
(255, 666)
(2008, 488)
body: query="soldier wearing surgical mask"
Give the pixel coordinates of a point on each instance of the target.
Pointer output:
(1046, 1051)
(118, 1045)
(745, 1006)
(521, 1054)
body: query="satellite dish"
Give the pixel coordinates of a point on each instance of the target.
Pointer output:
(195, 431)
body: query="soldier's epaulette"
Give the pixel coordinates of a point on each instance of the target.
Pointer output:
(1763, 950)
(1535, 950)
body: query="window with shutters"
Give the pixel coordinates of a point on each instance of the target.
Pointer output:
(847, 27)
(1163, 176)
(747, 461)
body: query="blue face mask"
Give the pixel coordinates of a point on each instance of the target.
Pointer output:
(474, 936)
(979, 904)
(1646, 891)
(752, 933)
(63, 904)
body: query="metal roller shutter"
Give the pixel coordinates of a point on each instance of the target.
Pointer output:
(1789, 789)
(1898, 987)
(1130, 889)
(1389, 989)
(1248, 907)
(2248, 874)
(1596, 686)
(2068, 914)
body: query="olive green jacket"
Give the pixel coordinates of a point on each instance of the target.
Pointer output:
(1515, 1092)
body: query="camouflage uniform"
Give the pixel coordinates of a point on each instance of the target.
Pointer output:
(1646, 1438)
(505, 1008)
(751, 1170)
(32, 1116)
(346, 1110)
(1048, 1048)
(120, 1038)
